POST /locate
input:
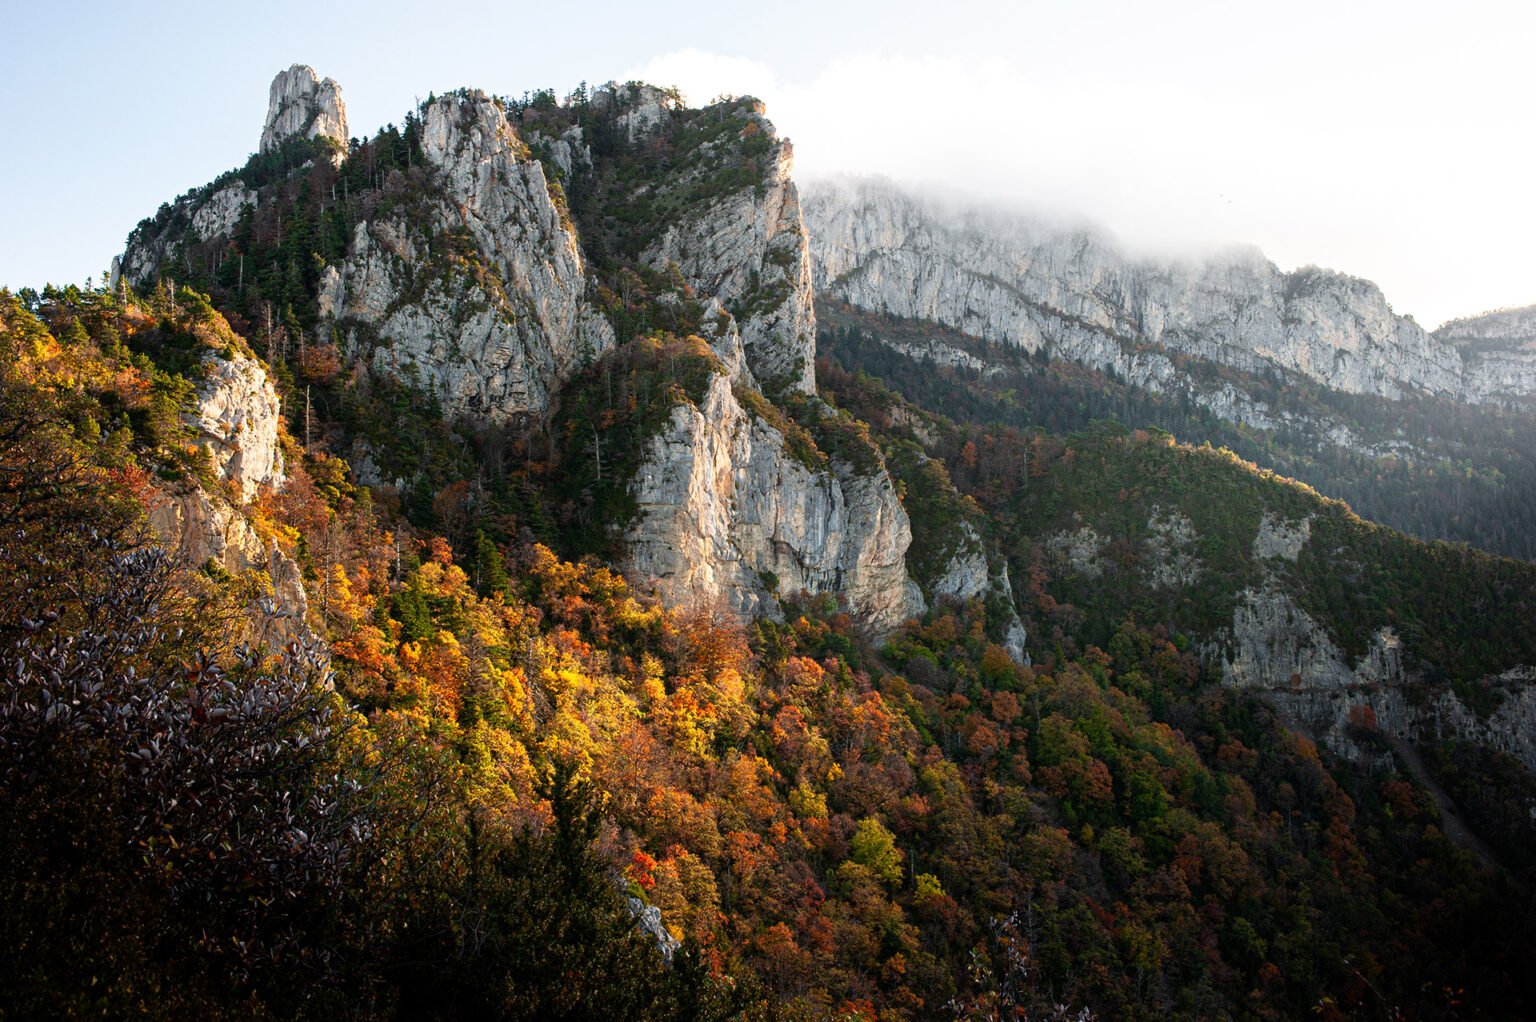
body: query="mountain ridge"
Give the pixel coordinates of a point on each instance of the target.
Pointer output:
(1017, 280)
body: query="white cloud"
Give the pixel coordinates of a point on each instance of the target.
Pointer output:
(1363, 165)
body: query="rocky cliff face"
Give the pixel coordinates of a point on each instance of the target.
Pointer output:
(463, 274)
(750, 250)
(1499, 349)
(238, 422)
(238, 419)
(1281, 650)
(728, 515)
(302, 105)
(492, 345)
(1010, 279)
(972, 575)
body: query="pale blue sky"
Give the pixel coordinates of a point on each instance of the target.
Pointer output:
(1388, 140)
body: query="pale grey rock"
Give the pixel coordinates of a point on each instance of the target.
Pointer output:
(238, 421)
(1499, 347)
(941, 354)
(1015, 641)
(645, 108)
(647, 111)
(971, 574)
(750, 250)
(490, 346)
(300, 104)
(722, 504)
(569, 152)
(1505, 328)
(1279, 649)
(141, 259)
(218, 215)
(1170, 558)
(198, 527)
(1015, 280)
(648, 921)
(724, 336)
(1280, 538)
(1078, 550)
(1501, 373)
(967, 575)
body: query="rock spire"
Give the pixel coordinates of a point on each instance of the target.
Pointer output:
(301, 103)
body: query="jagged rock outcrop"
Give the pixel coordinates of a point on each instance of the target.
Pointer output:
(203, 214)
(648, 921)
(1279, 538)
(200, 528)
(491, 345)
(1012, 279)
(300, 105)
(1504, 328)
(238, 419)
(727, 515)
(1079, 550)
(750, 250)
(1499, 349)
(221, 212)
(970, 574)
(1277, 647)
(1170, 549)
(569, 152)
(303, 105)
(463, 275)
(645, 108)
(967, 575)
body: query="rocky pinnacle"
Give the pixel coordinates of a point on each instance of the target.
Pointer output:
(302, 104)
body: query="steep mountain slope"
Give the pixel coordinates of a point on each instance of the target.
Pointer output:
(920, 831)
(1012, 280)
(1290, 591)
(1308, 373)
(487, 265)
(803, 735)
(1432, 468)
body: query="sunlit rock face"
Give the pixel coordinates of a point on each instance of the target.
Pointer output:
(471, 284)
(492, 345)
(238, 420)
(728, 516)
(750, 250)
(1017, 280)
(202, 529)
(303, 105)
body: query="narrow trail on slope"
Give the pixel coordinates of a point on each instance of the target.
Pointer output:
(1451, 823)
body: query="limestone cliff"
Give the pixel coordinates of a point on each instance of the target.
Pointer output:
(1281, 650)
(451, 260)
(1016, 280)
(237, 420)
(1499, 349)
(301, 105)
(971, 574)
(492, 331)
(750, 250)
(728, 514)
